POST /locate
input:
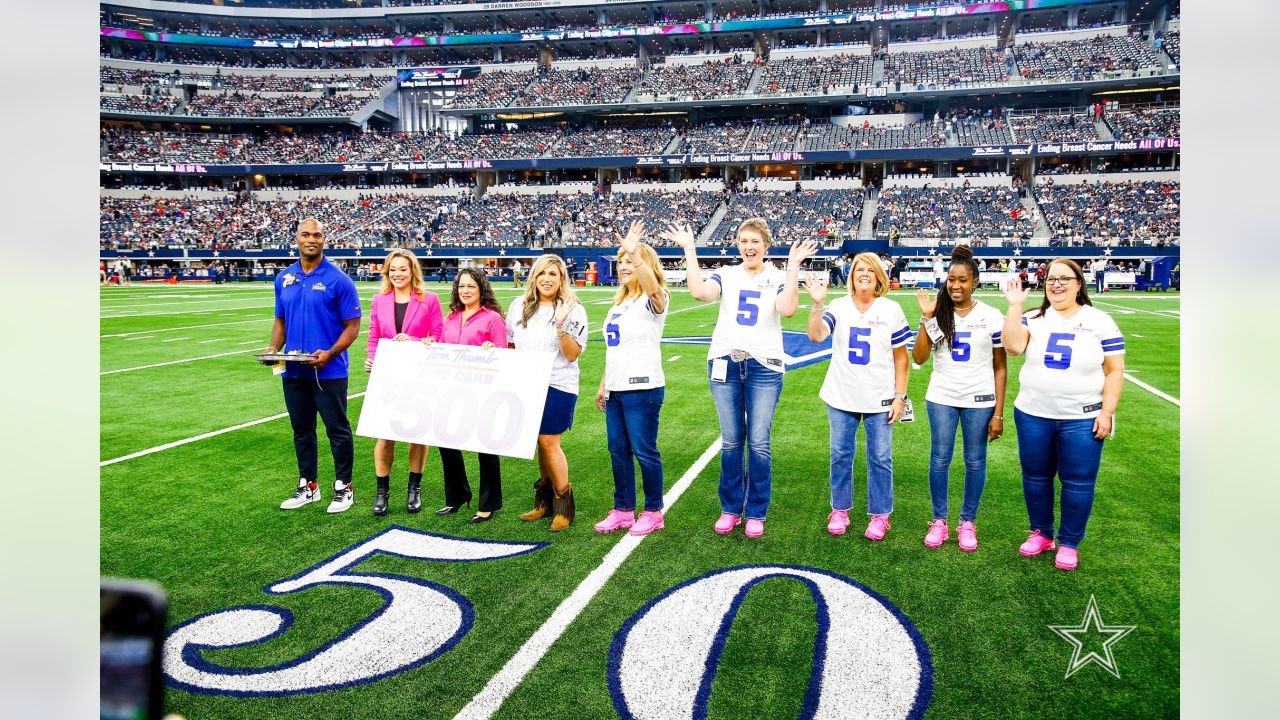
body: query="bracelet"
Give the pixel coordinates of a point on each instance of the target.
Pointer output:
(1108, 414)
(998, 417)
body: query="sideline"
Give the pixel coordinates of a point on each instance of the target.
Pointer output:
(174, 362)
(1158, 393)
(1157, 313)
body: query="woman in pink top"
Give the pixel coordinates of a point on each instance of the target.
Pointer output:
(475, 319)
(402, 311)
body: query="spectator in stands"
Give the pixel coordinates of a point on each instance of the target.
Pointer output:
(324, 328)
(549, 318)
(1069, 389)
(403, 311)
(475, 318)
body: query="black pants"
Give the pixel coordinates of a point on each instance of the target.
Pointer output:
(457, 491)
(303, 398)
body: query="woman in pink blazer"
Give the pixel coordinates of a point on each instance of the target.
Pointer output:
(402, 311)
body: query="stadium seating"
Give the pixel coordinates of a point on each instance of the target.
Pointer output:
(152, 104)
(1113, 213)
(711, 79)
(956, 212)
(1082, 59)
(958, 66)
(830, 216)
(1145, 122)
(1053, 127)
(816, 75)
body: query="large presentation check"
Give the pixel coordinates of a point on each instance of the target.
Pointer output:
(457, 396)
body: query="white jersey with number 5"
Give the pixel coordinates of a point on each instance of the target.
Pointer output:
(633, 345)
(860, 377)
(963, 376)
(748, 319)
(1062, 376)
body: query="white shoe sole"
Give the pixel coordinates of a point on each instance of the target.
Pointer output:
(340, 507)
(290, 503)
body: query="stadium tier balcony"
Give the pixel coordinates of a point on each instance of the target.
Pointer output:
(578, 86)
(1173, 46)
(524, 144)
(816, 75)
(711, 79)
(235, 104)
(975, 130)
(957, 212)
(944, 68)
(514, 219)
(1083, 59)
(239, 81)
(1145, 123)
(1112, 213)
(773, 137)
(602, 220)
(829, 216)
(493, 88)
(150, 104)
(613, 142)
(724, 137)
(822, 136)
(1053, 127)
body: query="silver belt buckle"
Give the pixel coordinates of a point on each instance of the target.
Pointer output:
(739, 355)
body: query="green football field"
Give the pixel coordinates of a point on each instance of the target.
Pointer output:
(197, 455)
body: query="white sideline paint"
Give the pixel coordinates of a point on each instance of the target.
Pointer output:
(490, 698)
(1171, 314)
(184, 302)
(174, 362)
(195, 438)
(185, 327)
(205, 342)
(181, 312)
(674, 358)
(140, 337)
(251, 342)
(175, 339)
(1153, 391)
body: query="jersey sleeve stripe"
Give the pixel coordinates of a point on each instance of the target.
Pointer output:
(781, 288)
(830, 321)
(715, 278)
(1024, 320)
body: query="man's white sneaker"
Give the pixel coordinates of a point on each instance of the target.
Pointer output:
(306, 494)
(343, 496)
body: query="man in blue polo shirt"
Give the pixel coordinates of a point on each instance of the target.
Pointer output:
(317, 311)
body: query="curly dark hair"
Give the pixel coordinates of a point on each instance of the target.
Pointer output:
(961, 256)
(487, 298)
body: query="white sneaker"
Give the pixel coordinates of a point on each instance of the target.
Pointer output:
(304, 495)
(343, 496)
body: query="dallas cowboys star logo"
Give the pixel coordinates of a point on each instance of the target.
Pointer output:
(1107, 252)
(1017, 251)
(1090, 625)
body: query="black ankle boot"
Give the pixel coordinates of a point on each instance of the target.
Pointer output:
(414, 501)
(382, 497)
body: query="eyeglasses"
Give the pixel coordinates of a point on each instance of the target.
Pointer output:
(1059, 280)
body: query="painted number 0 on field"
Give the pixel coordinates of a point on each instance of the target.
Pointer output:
(420, 621)
(690, 623)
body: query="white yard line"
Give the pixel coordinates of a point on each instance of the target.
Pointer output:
(1148, 312)
(180, 312)
(175, 339)
(490, 698)
(1153, 391)
(185, 302)
(196, 438)
(174, 362)
(140, 337)
(674, 358)
(185, 327)
(206, 342)
(251, 342)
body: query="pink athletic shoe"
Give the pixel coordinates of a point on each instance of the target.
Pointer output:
(1067, 559)
(725, 524)
(754, 529)
(838, 522)
(615, 520)
(968, 534)
(649, 521)
(937, 534)
(1036, 544)
(877, 528)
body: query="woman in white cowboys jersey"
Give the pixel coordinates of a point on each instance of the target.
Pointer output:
(633, 386)
(966, 390)
(746, 362)
(1069, 388)
(866, 383)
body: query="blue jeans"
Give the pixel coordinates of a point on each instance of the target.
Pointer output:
(631, 422)
(973, 424)
(1068, 449)
(745, 402)
(844, 443)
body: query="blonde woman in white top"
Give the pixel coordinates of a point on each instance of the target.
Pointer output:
(550, 318)
(633, 385)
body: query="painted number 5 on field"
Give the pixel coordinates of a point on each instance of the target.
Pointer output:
(457, 396)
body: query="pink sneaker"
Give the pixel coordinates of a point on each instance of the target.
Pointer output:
(968, 534)
(754, 529)
(725, 524)
(937, 534)
(1036, 544)
(649, 521)
(877, 528)
(1068, 558)
(838, 522)
(615, 520)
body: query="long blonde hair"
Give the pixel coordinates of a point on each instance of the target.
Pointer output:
(882, 278)
(649, 257)
(415, 271)
(531, 298)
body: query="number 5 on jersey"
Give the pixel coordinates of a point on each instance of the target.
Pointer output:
(748, 313)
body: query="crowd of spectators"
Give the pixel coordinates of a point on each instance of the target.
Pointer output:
(952, 212)
(816, 75)
(829, 216)
(1116, 214)
(1053, 127)
(773, 137)
(342, 105)
(235, 104)
(715, 137)
(957, 66)
(591, 142)
(923, 133)
(1083, 59)
(974, 128)
(711, 79)
(504, 145)
(492, 88)
(601, 220)
(1145, 123)
(1172, 44)
(511, 219)
(578, 86)
(151, 104)
(108, 74)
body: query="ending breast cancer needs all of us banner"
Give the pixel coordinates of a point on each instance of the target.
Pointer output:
(457, 396)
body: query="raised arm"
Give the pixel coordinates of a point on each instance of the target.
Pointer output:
(644, 274)
(681, 234)
(928, 303)
(1014, 335)
(817, 289)
(789, 299)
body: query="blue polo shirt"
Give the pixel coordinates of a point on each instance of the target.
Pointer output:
(313, 306)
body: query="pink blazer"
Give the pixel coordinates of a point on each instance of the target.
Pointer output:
(422, 318)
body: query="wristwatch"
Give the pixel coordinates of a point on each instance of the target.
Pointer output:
(899, 396)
